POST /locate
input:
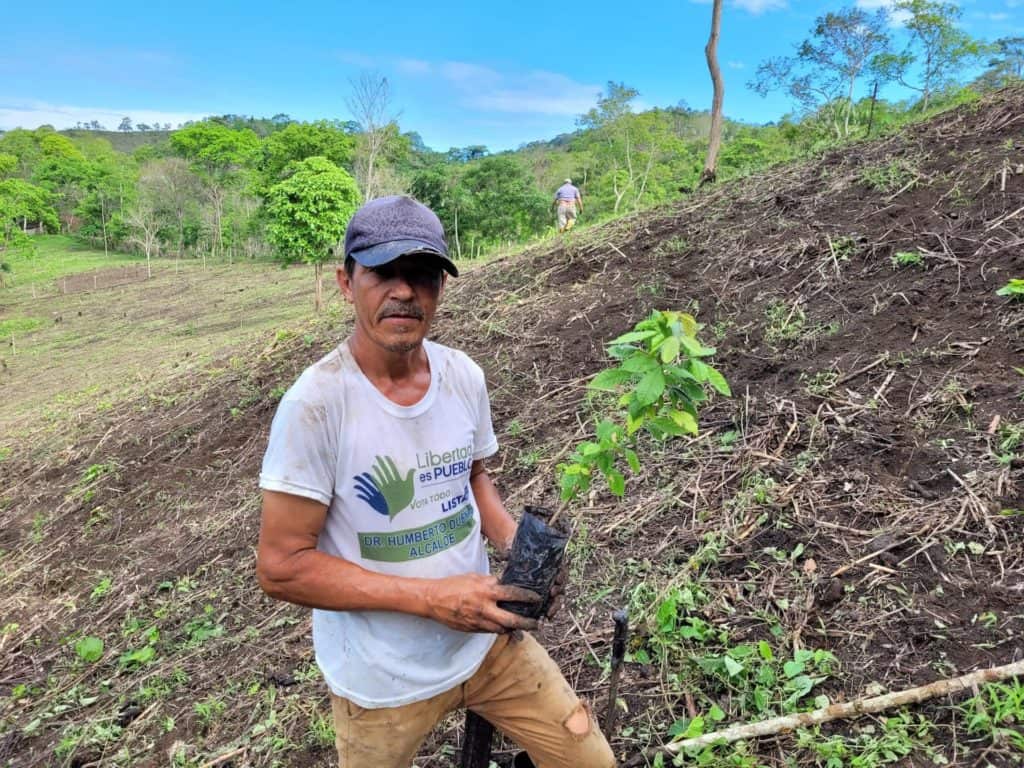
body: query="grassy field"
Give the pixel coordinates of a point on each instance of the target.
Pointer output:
(56, 257)
(79, 329)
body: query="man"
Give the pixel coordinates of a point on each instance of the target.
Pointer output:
(376, 501)
(569, 203)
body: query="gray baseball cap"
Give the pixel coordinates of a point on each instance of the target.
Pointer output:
(389, 227)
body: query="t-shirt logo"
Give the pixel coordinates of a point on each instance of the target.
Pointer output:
(385, 490)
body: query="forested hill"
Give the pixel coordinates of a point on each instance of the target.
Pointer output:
(125, 142)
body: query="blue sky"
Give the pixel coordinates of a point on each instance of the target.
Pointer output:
(461, 72)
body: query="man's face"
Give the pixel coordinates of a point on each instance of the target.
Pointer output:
(395, 302)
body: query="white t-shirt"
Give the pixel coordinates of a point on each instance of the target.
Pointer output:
(396, 482)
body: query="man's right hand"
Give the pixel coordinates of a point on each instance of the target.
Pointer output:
(469, 603)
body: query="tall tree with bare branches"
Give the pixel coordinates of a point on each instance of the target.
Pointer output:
(715, 135)
(369, 104)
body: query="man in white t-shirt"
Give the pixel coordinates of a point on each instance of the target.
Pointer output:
(376, 503)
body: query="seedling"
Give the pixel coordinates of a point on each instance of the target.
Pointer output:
(660, 381)
(907, 259)
(89, 649)
(1014, 289)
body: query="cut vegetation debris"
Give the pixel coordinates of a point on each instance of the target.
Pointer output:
(848, 523)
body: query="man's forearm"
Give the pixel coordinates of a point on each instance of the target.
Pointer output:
(495, 521)
(316, 579)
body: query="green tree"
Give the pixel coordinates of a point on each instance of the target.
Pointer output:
(307, 214)
(110, 180)
(22, 203)
(1006, 64)
(295, 142)
(824, 72)
(615, 102)
(499, 201)
(8, 165)
(936, 51)
(222, 156)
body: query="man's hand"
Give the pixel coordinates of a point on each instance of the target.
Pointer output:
(558, 589)
(469, 603)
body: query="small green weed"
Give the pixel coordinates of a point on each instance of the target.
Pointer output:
(1008, 441)
(784, 322)
(1014, 289)
(321, 731)
(907, 259)
(821, 383)
(97, 734)
(102, 588)
(892, 741)
(209, 711)
(89, 649)
(997, 713)
(202, 628)
(896, 176)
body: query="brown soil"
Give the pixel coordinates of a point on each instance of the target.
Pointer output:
(871, 409)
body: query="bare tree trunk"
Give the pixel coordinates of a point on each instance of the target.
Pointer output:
(318, 272)
(709, 173)
(103, 223)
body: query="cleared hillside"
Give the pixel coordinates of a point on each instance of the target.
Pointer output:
(860, 495)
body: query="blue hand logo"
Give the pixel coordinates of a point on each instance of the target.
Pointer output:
(367, 490)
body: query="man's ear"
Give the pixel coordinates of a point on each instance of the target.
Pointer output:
(344, 282)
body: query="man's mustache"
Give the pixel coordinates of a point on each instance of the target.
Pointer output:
(396, 309)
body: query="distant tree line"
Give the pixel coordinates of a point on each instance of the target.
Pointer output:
(236, 186)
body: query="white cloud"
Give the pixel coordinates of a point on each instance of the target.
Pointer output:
(535, 92)
(32, 114)
(757, 7)
(735, 64)
(413, 66)
(998, 16)
(1014, 3)
(483, 88)
(896, 18)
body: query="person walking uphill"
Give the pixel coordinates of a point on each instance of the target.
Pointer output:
(568, 203)
(376, 504)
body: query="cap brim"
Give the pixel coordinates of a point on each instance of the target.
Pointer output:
(387, 252)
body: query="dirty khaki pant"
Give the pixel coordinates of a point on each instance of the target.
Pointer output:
(518, 688)
(566, 215)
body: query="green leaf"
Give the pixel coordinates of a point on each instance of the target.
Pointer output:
(663, 425)
(616, 483)
(695, 728)
(650, 387)
(632, 459)
(685, 421)
(793, 668)
(716, 714)
(765, 650)
(641, 362)
(669, 350)
(611, 379)
(718, 381)
(732, 666)
(89, 649)
(632, 337)
(606, 430)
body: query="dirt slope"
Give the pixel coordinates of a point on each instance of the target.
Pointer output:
(859, 494)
